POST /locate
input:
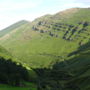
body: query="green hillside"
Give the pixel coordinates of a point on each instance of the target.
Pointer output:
(4, 53)
(48, 38)
(56, 47)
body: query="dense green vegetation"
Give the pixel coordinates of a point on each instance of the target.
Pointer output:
(11, 73)
(56, 47)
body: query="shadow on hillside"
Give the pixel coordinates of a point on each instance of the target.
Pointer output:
(12, 73)
(69, 74)
(64, 77)
(80, 49)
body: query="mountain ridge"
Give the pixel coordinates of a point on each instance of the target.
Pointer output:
(50, 30)
(11, 27)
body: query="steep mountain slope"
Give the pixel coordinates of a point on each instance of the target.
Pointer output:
(49, 38)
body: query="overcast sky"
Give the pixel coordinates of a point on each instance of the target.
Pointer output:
(12, 11)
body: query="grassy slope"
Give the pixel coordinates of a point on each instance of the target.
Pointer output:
(4, 53)
(36, 47)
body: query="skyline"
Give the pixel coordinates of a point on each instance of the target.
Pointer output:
(12, 11)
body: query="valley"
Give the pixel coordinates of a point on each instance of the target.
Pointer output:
(54, 49)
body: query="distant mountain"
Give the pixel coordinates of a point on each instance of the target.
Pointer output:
(12, 27)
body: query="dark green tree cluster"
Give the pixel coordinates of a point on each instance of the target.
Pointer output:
(11, 73)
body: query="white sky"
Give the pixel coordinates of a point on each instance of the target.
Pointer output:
(12, 11)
